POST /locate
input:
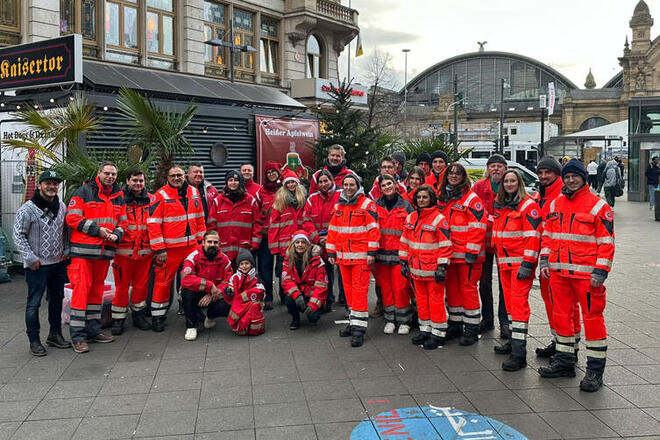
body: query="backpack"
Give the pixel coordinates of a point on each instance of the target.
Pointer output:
(620, 184)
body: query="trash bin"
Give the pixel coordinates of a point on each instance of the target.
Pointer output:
(106, 308)
(657, 203)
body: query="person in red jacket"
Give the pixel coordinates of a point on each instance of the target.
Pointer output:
(246, 315)
(465, 213)
(424, 163)
(316, 218)
(392, 211)
(353, 240)
(387, 167)
(285, 218)
(577, 252)
(415, 180)
(486, 189)
(207, 191)
(132, 261)
(252, 187)
(517, 241)
(550, 185)
(425, 252)
(265, 197)
(304, 280)
(439, 163)
(204, 282)
(336, 164)
(176, 226)
(97, 217)
(235, 215)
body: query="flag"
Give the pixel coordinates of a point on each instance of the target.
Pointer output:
(358, 49)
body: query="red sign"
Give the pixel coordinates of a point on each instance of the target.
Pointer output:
(287, 141)
(336, 89)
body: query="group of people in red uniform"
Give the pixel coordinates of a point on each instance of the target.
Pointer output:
(426, 239)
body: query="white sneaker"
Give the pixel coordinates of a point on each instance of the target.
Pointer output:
(389, 328)
(209, 323)
(404, 329)
(191, 334)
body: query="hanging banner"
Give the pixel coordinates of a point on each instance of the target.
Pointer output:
(287, 141)
(551, 98)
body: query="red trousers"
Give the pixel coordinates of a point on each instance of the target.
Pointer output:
(355, 278)
(462, 292)
(130, 272)
(516, 294)
(87, 278)
(164, 275)
(431, 312)
(548, 300)
(395, 290)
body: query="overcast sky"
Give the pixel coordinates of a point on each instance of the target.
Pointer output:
(569, 35)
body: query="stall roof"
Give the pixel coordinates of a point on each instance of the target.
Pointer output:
(170, 83)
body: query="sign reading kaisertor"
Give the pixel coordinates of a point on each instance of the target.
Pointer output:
(49, 62)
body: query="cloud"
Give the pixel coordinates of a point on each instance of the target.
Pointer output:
(375, 36)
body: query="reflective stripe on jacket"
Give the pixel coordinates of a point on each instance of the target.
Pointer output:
(201, 275)
(517, 233)
(485, 192)
(391, 227)
(281, 229)
(467, 221)
(353, 233)
(238, 223)
(313, 183)
(317, 214)
(313, 284)
(265, 199)
(135, 243)
(426, 242)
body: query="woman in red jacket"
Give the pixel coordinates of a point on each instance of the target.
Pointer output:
(285, 219)
(517, 241)
(316, 218)
(425, 252)
(392, 211)
(465, 213)
(265, 197)
(304, 280)
(415, 179)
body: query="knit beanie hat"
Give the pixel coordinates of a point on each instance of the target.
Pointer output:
(496, 158)
(400, 157)
(574, 166)
(423, 157)
(237, 175)
(440, 154)
(244, 255)
(549, 163)
(272, 165)
(289, 175)
(355, 177)
(299, 234)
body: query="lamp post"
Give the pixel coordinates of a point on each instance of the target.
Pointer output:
(232, 48)
(405, 88)
(543, 103)
(503, 85)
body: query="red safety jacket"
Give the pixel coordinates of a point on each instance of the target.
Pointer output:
(467, 220)
(353, 233)
(578, 239)
(426, 242)
(435, 180)
(375, 193)
(281, 229)
(199, 274)
(548, 195)
(391, 227)
(313, 183)
(485, 192)
(517, 233)
(265, 199)
(317, 213)
(238, 223)
(252, 187)
(313, 284)
(245, 315)
(135, 243)
(90, 209)
(176, 220)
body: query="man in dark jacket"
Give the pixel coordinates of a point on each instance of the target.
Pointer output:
(600, 175)
(652, 177)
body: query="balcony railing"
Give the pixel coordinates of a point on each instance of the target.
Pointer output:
(335, 10)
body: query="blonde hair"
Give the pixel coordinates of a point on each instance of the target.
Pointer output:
(293, 256)
(520, 194)
(280, 201)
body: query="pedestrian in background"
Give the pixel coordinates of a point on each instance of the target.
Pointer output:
(592, 171)
(600, 175)
(652, 177)
(40, 236)
(612, 179)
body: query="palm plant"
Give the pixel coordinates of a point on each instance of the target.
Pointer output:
(415, 147)
(159, 132)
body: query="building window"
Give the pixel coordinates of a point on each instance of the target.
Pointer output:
(81, 17)
(244, 36)
(10, 23)
(514, 131)
(269, 50)
(160, 33)
(314, 58)
(593, 123)
(215, 27)
(122, 31)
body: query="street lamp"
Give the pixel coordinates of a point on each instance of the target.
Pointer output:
(232, 48)
(405, 89)
(543, 103)
(503, 85)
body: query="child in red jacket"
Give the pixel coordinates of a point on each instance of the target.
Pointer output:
(246, 314)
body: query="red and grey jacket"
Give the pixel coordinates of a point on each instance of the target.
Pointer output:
(467, 220)
(578, 239)
(90, 209)
(426, 242)
(391, 227)
(252, 187)
(200, 274)
(353, 233)
(517, 233)
(135, 243)
(245, 315)
(313, 284)
(176, 218)
(238, 223)
(317, 213)
(282, 226)
(485, 192)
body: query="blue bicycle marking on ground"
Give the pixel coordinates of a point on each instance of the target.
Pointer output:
(433, 423)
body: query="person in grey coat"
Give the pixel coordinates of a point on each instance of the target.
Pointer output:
(610, 181)
(40, 237)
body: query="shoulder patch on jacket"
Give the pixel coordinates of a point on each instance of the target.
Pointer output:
(534, 221)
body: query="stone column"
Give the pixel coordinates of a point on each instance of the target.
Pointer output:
(42, 20)
(191, 57)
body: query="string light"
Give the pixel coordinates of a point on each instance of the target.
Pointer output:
(70, 98)
(18, 107)
(51, 100)
(2, 104)
(205, 130)
(105, 108)
(36, 106)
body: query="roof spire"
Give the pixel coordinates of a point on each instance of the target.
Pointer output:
(590, 82)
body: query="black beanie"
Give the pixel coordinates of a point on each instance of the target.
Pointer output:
(243, 255)
(423, 157)
(440, 154)
(400, 157)
(549, 163)
(574, 166)
(236, 174)
(497, 158)
(355, 177)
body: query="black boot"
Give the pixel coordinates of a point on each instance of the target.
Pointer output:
(420, 338)
(547, 351)
(157, 324)
(346, 331)
(433, 342)
(357, 339)
(470, 335)
(140, 320)
(485, 326)
(58, 341)
(37, 349)
(117, 327)
(454, 330)
(592, 381)
(514, 363)
(503, 349)
(556, 370)
(295, 324)
(505, 331)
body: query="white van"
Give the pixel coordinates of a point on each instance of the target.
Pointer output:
(476, 168)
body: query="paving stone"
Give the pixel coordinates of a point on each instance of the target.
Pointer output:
(187, 366)
(110, 427)
(451, 400)
(379, 386)
(373, 368)
(435, 383)
(126, 385)
(639, 395)
(382, 404)
(302, 432)
(461, 363)
(226, 378)
(475, 381)
(172, 400)
(24, 391)
(341, 410)
(329, 390)
(530, 425)
(261, 376)
(166, 423)
(605, 398)
(630, 421)
(131, 369)
(16, 411)
(243, 434)
(7, 429)
(577, 424)
(650, 373)
(548, 399)
(118, 405)
(281, 414)
(497, 402)
(61, 408)
(277, 393)
(224, 397)
(75, 388)
(225, 419)
(177, 381)
(339, 431)
(46, 429)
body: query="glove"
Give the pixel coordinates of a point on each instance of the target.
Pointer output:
(471, 258)
(300, 302)
(405, 270)
(440, 273)
(308, 311)
(524, 272)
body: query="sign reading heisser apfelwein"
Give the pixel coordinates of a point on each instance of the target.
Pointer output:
(44, 63)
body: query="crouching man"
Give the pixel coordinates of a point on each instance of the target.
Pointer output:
(204, 280)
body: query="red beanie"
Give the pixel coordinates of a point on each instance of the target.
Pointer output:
(289, 175)
(299, 234)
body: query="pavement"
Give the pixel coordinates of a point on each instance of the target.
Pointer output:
(310, 384)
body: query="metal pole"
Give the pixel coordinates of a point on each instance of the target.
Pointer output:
(405, 90)
(456, 112)
(231, 50)
(348, 76)
(500, 148)
(542, 132)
